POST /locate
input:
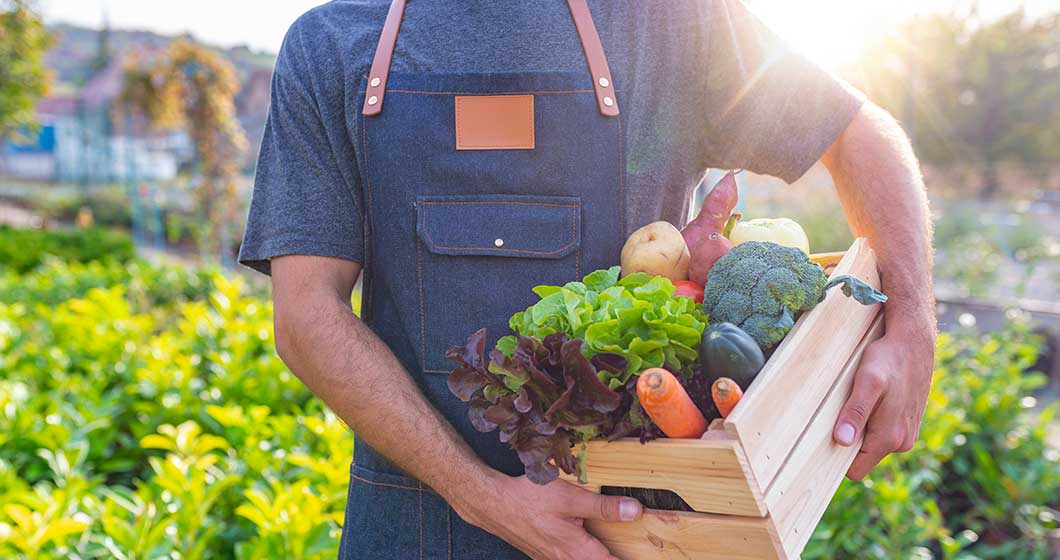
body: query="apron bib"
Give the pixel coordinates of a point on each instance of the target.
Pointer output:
(457, 237)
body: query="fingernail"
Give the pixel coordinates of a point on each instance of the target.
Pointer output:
(628, 510)
(845, 433)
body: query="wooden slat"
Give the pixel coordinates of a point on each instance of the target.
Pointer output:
(672, 535)
(788, 391)
(809, 478)
(711, 475)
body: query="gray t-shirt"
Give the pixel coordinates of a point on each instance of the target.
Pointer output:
(701, 84)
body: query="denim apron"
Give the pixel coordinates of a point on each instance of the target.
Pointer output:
(456, 240)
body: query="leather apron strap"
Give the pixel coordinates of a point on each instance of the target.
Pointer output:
(603, 85)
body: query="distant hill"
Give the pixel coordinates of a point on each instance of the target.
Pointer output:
(73, 57)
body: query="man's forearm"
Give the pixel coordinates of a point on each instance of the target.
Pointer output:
(879, 184)
(344, 363)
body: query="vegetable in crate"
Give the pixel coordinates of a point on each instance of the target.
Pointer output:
(726, 394)
(761, 287)
(543, 397)
(782, 231)
(636, 317)
(657, 249)
(706, 235)
(669, 406)
(726, 350)
(689, 289)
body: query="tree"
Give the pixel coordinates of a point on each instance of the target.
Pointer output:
(23, 77)
(193, 88)
(972, 91)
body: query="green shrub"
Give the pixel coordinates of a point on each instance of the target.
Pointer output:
(143, 413)
(980, 483)
(109, 204)
(24, 249)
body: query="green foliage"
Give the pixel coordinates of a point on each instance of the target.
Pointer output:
(636, 317)
(980, 254)
(968, 90)
(24, 249)
(144, 414)
(109, 205)
(981, 481)
(23, 76)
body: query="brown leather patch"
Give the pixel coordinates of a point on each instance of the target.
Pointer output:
(495, 122)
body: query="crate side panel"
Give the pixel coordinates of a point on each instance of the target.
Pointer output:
(670, 535)
(790, 388)
(802, 490)
(711, 475)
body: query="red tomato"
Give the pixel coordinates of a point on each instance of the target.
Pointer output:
(688, 288)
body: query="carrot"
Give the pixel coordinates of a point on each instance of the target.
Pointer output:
(726, 394)
(668, 405)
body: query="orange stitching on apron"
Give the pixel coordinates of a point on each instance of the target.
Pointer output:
(574, 239)
(574, 235)
(364, 78)
(504, 202)
(367, 243)
(621, 180)
(386, 484)
(423, 320)
(544, 92)
(449, 530)
(421, 520)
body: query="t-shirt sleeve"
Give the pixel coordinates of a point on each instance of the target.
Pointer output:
(306, 198)
(768, 109)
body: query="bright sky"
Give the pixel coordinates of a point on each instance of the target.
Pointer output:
(829, 31)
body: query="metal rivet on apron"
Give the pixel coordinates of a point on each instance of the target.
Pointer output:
(604, 82)
(374, 82)
(607, 101)
(498, 242)
(373, 100)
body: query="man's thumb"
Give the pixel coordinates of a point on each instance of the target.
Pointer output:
(610, 508)
(855, 414)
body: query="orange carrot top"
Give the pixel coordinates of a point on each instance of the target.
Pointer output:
(726, 394)
(664, 400)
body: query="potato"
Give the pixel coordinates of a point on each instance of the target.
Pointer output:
(782, 231)
(658, 249)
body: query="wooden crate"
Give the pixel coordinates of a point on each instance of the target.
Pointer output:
(761, 485)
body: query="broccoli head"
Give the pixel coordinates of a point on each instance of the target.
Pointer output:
(762, 288)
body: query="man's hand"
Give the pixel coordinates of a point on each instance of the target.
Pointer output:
(545, 522)
(888, 399)
(878, 181)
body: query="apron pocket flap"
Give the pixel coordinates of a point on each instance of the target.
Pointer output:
(541, 227)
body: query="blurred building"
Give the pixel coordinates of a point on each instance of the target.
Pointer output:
(80, 140)
(86, 138)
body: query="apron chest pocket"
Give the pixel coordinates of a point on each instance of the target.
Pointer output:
(480, 257)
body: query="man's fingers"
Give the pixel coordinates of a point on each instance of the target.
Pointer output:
(591, 549)
(865, 461)
(886, 433)
(587, 505)
(869, 385)
(878, 444)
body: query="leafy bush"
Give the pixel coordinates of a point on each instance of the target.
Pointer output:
(980, 483)
(109, 204)
(143, 413)
(23, 249)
